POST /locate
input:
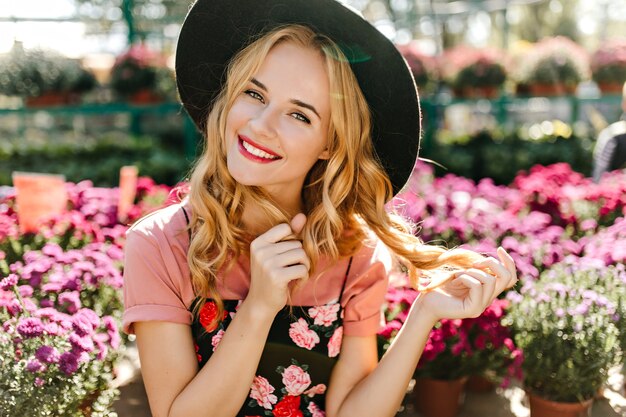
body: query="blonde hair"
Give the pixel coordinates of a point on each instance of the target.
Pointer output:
(342, 196)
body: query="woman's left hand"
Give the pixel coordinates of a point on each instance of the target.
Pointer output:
(472, 290)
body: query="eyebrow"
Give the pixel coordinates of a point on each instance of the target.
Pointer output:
(299, 103)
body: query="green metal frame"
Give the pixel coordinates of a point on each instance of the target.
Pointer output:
(191, 134)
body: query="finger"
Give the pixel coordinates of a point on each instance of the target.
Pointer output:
(292, 257)
(283, 246)
(509, 263)
(290, 273)
(488, 282)
(298, 222)
(503, 275)
(472, 303)
(275, 234)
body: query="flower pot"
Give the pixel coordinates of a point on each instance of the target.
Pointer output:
(540, 407)
(439, 398)
(610, 88)
(51, 99)
(551, 90)
(488, 92)
(479, 384)
(144, 97)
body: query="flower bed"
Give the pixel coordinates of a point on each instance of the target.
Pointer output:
(60, 301)
(548, 216)
(61, 304)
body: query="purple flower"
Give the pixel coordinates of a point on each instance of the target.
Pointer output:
(83, 344)
(8, 282)
(30, 327)
(580, 309)
(70, 300)
(34, 366)
(47, 354)
(25, 290)
(39, 382)
(68, 363)
(85, 321)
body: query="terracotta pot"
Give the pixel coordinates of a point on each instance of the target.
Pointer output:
(52, 99)
(145, 97)
(479, 384)
(540, 407)
(610, 88)
(489, 92)
(439, 398)
(551, 90)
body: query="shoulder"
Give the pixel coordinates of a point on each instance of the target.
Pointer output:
(165, 224)
(373, 252)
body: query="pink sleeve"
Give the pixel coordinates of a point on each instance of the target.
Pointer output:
(155, 276)
(365, 291)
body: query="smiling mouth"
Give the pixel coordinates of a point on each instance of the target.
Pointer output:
(254, 152)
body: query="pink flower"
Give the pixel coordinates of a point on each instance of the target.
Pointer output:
(324, 315)
(296, 380)
(303, 336)
(316, 390)
(261, 391)
(334, 344)
(215, 340)
(315, 411)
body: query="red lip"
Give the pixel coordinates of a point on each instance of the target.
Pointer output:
(256, 145)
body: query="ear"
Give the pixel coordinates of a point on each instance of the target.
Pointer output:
(324, 155)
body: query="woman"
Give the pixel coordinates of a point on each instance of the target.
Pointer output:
(260, 293)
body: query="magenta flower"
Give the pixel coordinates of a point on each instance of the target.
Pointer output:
(30, 327)
(68, 363)
(8, 282)
(47, 354)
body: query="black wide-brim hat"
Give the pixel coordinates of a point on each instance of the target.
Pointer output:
(215, 30)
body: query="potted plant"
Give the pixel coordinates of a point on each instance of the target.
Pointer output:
(137, 73)
(59, 340)
(472, 72)
(422, 66)
(43, 77)
(567, 330)
(455, 350)
(608, 66)
(553, 66)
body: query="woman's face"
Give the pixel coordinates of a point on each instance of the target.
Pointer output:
(277, 128)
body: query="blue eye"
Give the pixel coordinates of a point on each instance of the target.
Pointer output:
(254, 95)
(301, 117)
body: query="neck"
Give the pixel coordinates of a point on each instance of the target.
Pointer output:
(256, 221)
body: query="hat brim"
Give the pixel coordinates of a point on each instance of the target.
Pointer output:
(215, 30)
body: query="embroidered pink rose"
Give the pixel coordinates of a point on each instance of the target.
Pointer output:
(334, 343)
(316, 390)
(303, 336)
(215, 340)
(261, 391)
(296, 380)
(315, 411)
(324, 315)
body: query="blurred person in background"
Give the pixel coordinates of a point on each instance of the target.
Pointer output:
(609, 153)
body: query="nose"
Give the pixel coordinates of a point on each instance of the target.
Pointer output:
(263, 122)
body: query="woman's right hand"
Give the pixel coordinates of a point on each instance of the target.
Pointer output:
(276, 259)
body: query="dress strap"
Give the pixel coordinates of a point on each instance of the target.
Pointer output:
(345, 279)
(187, 220)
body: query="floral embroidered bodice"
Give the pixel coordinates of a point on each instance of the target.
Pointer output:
(301, 350)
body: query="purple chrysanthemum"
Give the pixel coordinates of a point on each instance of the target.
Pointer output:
(68, 363)
(47, 354)
(30, 327)
(34, 366)
(8, 282)
(83, 344)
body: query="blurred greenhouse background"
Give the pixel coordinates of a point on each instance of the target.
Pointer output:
(125, 106)
(514, 94)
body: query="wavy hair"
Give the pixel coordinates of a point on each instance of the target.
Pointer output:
(343, 197)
